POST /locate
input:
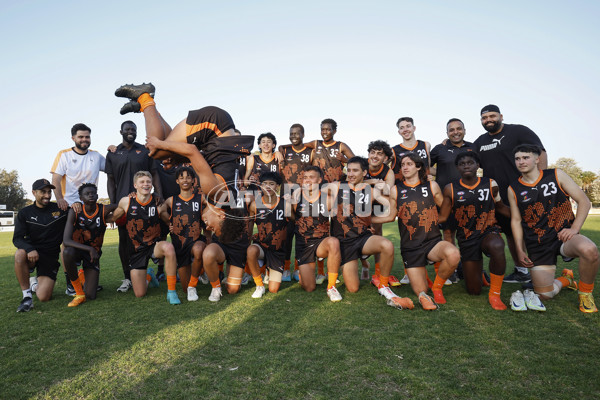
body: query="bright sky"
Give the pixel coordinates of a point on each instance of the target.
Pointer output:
(275, 63)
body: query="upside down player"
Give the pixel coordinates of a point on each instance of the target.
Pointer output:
(311, 212)
(473, 202)
(541, 214)
(143, 227)
(414, 202)
(184, 219)
(351, 225)
(83, 238)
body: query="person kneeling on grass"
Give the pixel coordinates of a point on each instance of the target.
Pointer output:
(542, 216)
(83, 238)
(143, 226)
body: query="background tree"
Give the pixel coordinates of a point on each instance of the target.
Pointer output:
(570, 167)
(12, 193)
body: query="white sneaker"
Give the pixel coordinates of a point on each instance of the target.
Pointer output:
(204, 278)
(246, 278)
(192, 294)
(532, 301)
(448, 282)
(387, 292)
(258, 292)
(320, 279)
(215, 294)
(334, 295)
(33, 283)
(125, 286)
(405, 280)
(517, 302)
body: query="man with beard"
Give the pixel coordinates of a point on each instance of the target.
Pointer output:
(72, 168)
(495, 150)
(129, 158)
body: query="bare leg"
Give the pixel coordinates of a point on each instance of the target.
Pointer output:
(582, 247)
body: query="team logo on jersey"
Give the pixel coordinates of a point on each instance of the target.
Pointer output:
(56, 214)
(404, 195)
(34, 218)
(138, 151)
(461, 196)
(524, 195)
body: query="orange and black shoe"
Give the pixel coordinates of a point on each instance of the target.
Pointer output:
(568, 275)
(427, 302)
(587, 303)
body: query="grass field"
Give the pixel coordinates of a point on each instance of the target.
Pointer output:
(292, 344)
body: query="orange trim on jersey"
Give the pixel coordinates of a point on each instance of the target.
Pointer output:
(452, 192)
(557, 181)
(93, 215)
(299, 151)
(378, 172)
(317, 198)
(540, 176)
(265, 161)
(275, 205)
(328, 145)
(143, 204)
(191, 129)
(412, 186)
(471, 187)
(412, 148)
(179, 195)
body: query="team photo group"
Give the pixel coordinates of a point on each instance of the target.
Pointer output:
(310, 211)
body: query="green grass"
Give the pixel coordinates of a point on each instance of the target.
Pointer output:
(292, 344)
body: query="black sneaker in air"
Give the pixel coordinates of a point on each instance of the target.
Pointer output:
(518, 277)
(134, 91)
(26, 305)
(132, 106)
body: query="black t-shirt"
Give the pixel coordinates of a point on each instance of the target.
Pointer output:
(167, 179)
(496, 153)
(40, 229)
(444, 155)
(123, 164)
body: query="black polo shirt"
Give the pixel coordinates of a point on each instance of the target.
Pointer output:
(444, 155)
(40, 229)
(124, 163)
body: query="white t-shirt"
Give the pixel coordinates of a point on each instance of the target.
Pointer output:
(77, 169)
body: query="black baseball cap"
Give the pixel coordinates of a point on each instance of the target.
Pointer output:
(490, 108)
(42, 183)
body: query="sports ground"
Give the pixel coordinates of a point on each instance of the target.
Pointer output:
(292, 344)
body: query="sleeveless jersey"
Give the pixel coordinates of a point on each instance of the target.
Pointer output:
(186, 217)
(312, 220)
(143, 223)
(326, 159)
(417, 215)
(89, 229)
(399, 151)
(545, 208)
(353, 216)
(271, 224)
(260, 166)
(380, 174)
(294, 163)
(473, 208)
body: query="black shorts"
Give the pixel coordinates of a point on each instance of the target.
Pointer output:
(289, 237)
(235, 253)
(470, 250)
(206, 123)
(184, 255)
(46, 265)
(274, 259)
(418, 257)
(504, 224)
(351, 249)
(139, 259)
(544, 254)
(83, 257)
(307, 252)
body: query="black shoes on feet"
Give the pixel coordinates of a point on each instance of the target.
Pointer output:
(26, 305)
(132, 106)
(134, 91)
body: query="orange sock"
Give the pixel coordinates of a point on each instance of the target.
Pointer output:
(377, 269)
(81, 275)
(495, 284)
(286, 265)
(331, 278)
(438, 284)
(148, 278)
(383, 281)
(171, 282)
(77, 286)
(193, 281)
(429, 282)
(145, 101)
(563, 280)
(585, 287)
(436, 266)
(320, 267)
(263, 269)
(258, 280)
(215, 284)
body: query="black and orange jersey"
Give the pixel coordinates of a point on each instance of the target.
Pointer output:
(143, 222)
(544, 206)
(261, 165)
(354, 210)
(271, 224)
(294, 163)
(381, 173)
(474, 209)
(90, 229)
(186, 220)
(417, 215)
(420, 149)
(205, 123)
(312, 219)
(326, 159)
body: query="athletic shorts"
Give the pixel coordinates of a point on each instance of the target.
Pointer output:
(235, 253)
(82, 258)
(351, 249)
(418, 257)
(504, 224)
(207, 122)
(139, 259)
(307, 252)
(46, 265)
(289, 237)
(545, 254)
(470, 250)
(184, 255)
(274, 259)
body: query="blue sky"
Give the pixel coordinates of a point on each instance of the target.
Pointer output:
(272, 64)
